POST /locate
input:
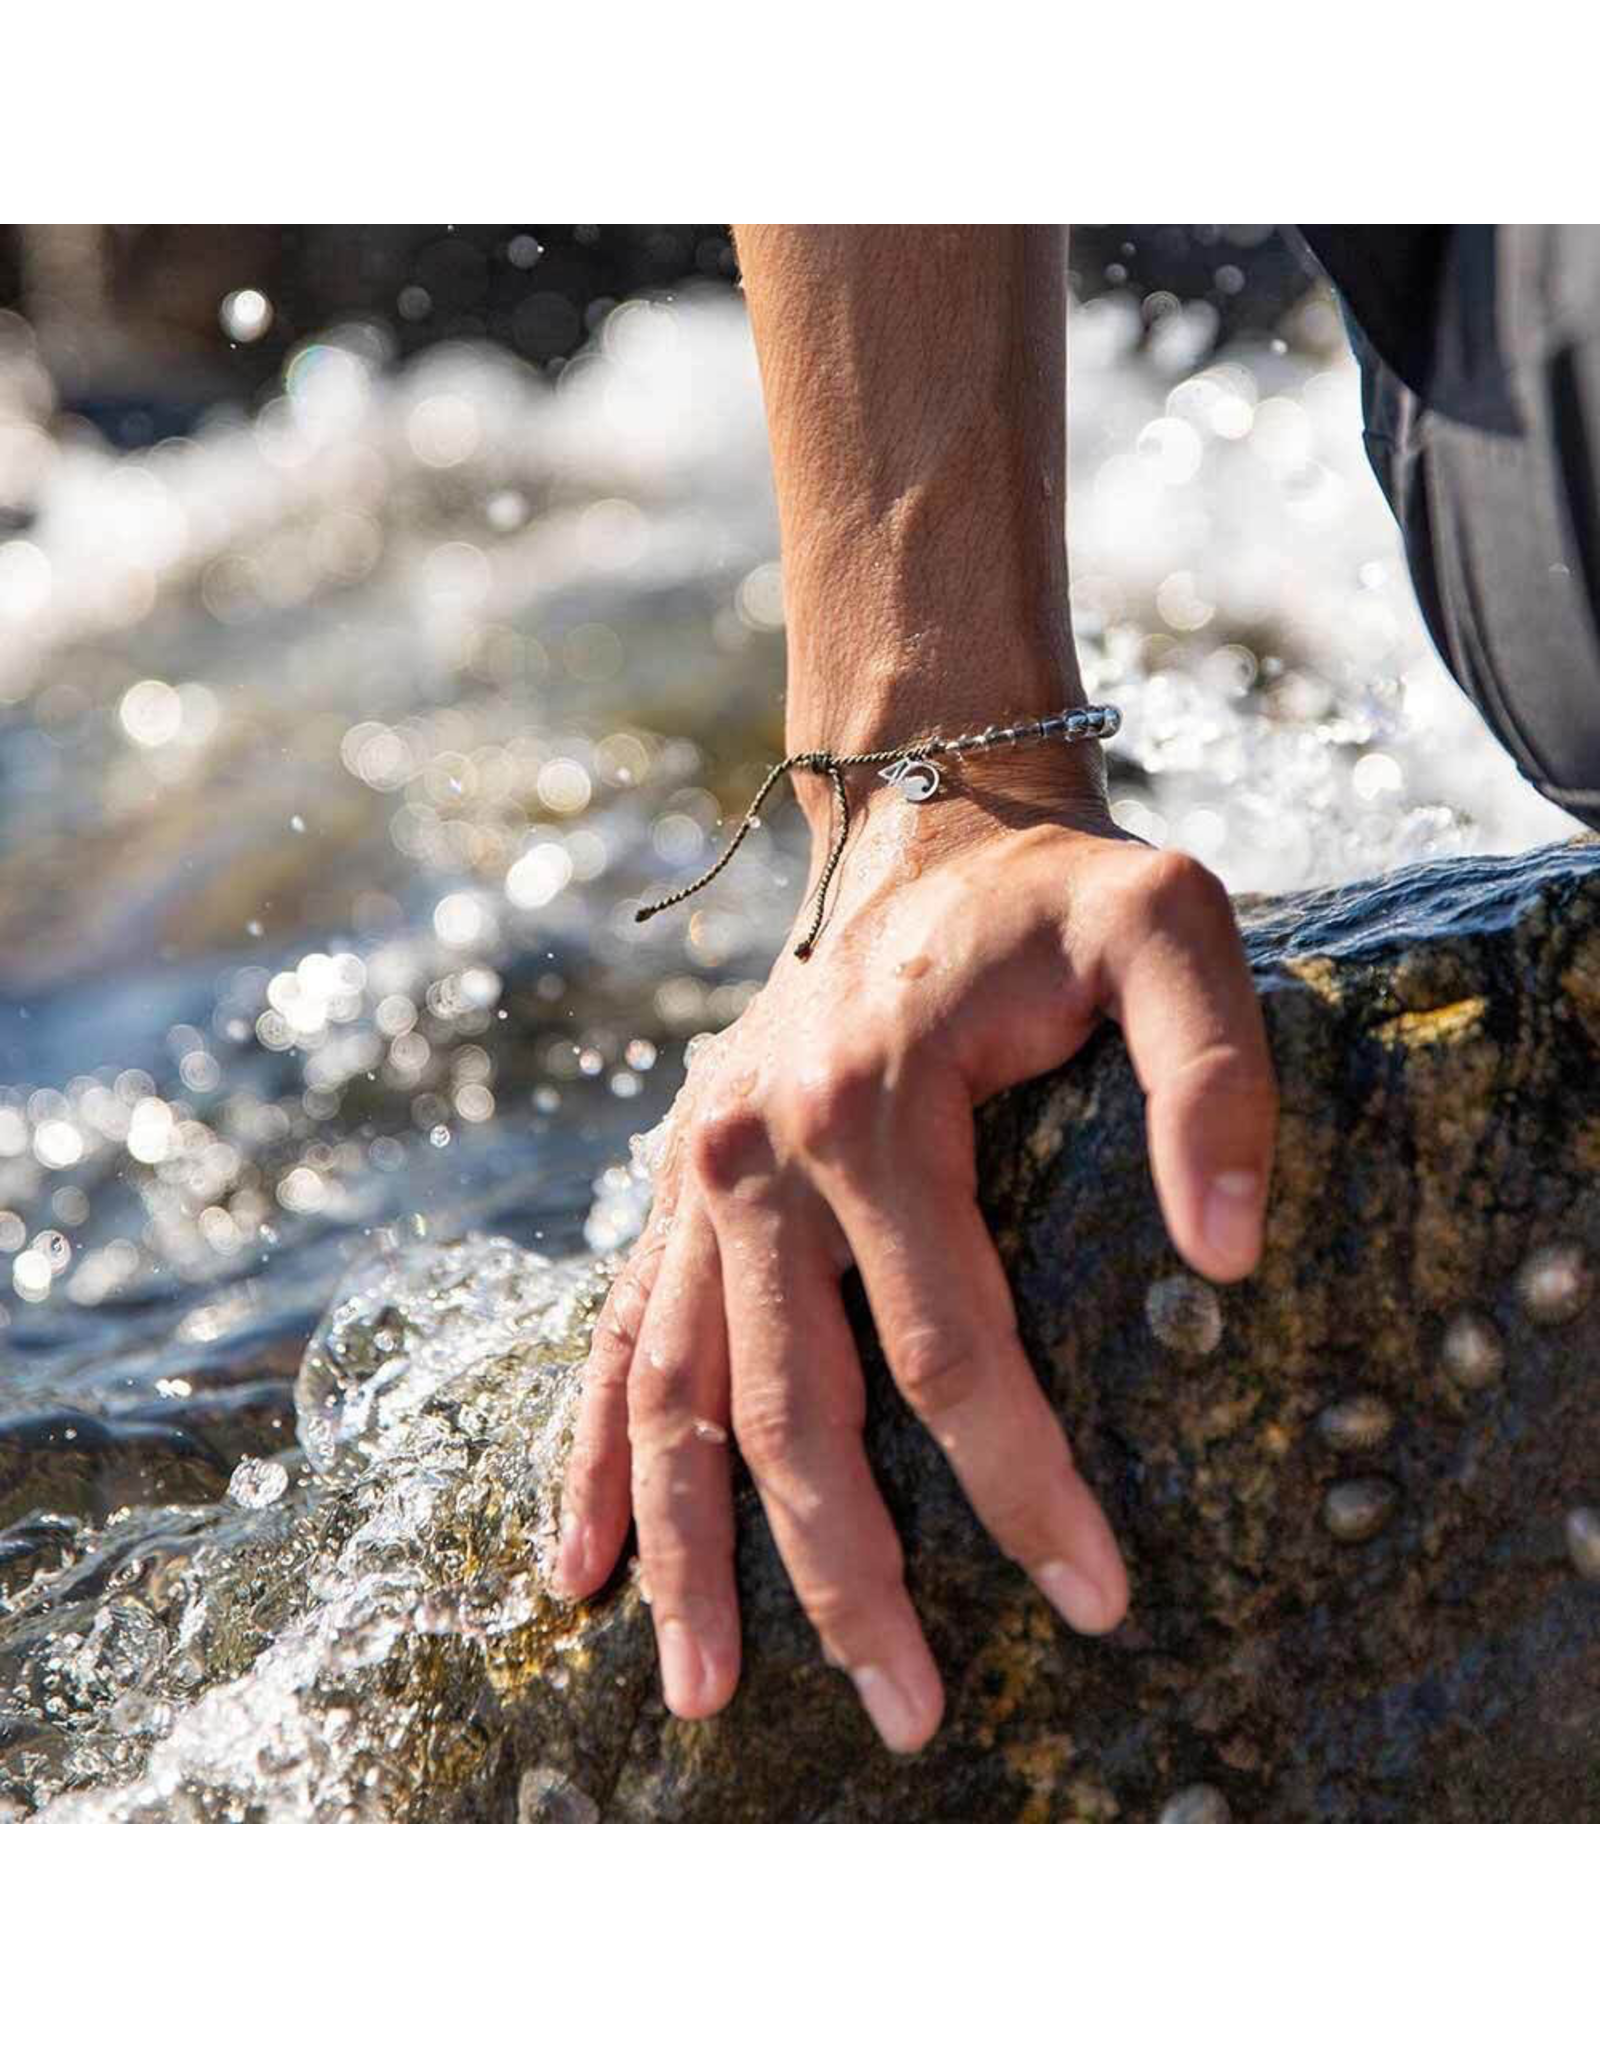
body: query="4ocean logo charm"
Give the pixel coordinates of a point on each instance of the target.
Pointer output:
(915, 777)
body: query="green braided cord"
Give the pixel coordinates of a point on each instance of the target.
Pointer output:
(1090, 721)
(819, 763)
(819, 895)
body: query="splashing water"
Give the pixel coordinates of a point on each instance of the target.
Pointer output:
(338, 745)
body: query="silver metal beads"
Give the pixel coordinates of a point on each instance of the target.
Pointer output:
(1088, 722)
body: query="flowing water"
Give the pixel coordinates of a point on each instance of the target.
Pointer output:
(337, 744)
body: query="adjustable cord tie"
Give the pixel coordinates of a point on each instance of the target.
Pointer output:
(912, 769)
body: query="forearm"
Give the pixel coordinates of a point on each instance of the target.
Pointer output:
(915, 391)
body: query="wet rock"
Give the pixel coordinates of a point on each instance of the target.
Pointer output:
(1184, 1313)
(1355, 1512)
(34, 1543)
(67, 1461)
(546, 1796)
(257, 1482)
(1197, 1803)
(1359, 1423)
(380, 1644)
(1583, 1542)
(1555, 1283)
(1474, 1356)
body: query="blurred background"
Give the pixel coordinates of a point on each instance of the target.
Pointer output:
(384, 612)
(388, 607)
(145, 329)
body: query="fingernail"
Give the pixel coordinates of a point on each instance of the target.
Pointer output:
(683, 1670)
(1232, 1220)
(894, 1712)
(1076, 1597)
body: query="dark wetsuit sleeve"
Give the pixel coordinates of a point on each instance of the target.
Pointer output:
(1481, 402)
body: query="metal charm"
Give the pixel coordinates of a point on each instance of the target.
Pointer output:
(915, 778)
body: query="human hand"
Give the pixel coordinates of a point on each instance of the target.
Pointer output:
(972, 945)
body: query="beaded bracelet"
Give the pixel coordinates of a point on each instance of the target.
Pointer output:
(912, 770)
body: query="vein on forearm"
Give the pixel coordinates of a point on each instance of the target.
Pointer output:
(914, 385)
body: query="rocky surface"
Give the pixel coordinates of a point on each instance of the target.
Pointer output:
(1359, 1494)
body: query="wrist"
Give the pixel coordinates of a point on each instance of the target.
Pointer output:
(853, 698)
(895, 700)
(980, 790)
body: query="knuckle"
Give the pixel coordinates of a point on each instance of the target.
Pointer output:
(936, 1370)
(617, 1327)
(847, 1616)
(1022, 1526)
(1235, 1082)
(768, 1430)
(1257, 1091)
(778, 1421)
(832, 1106)
(674, 1564)
(592, 1456)
(1180, 888)
(729, 1145)
(605, 1378)
(659, 1390)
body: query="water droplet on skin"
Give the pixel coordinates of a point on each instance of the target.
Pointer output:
(1360, 1422)
(1197, 1803)
(1473, 1354)
(1555, 1283)
(709, 1432)
(1583, 1542)
(1184, 1313)
(1357, 1510)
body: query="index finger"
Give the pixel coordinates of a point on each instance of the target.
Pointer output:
(1182, 992)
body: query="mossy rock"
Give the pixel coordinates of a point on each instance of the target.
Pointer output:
(1344, 1487)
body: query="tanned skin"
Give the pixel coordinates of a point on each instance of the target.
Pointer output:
(915, 390)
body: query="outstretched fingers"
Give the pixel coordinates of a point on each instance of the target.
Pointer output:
(942, 1305)
(595, 1502)
(798, 1411)
(682, 1488)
